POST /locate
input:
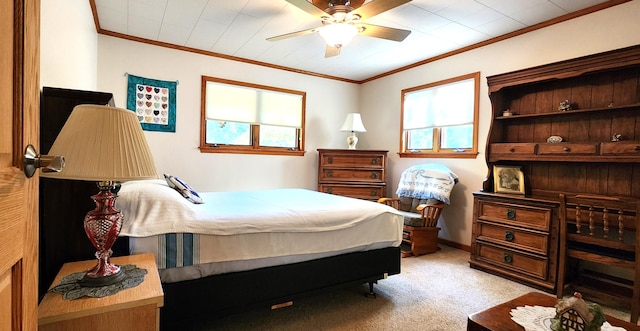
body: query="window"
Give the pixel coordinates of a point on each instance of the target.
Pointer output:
(239, 117)
(441, 119)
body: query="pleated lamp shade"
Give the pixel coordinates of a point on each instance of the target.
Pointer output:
(101, 143)
(353, 123)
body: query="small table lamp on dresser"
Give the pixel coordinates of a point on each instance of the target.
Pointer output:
(353, 124)
(106, 145)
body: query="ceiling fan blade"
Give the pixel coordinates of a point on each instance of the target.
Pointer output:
(331, 51)
(293, 34)
(384, 32)
(325, 3)
(308, 7)
(376, 7)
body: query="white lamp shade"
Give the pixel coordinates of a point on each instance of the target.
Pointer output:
(338, 34)
(101, 143)
(353, 123)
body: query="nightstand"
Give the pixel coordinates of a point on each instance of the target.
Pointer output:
(136, 308)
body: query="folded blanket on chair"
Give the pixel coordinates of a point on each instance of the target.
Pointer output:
(427, 181)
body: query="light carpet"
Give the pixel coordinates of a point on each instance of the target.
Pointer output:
(433, 292)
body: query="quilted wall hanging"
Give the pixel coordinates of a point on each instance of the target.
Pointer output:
(154, 101)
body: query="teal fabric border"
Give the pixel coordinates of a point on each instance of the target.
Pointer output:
(132, 102)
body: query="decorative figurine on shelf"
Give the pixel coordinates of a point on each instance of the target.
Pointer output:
(507, 112)
(574, 314)
(616, 137)
(565, 105)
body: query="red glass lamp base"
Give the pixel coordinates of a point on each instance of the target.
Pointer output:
(102, 226)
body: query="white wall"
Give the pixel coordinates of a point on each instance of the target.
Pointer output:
(605, 30)
(69, 58)
(68, 45)
(328, 102)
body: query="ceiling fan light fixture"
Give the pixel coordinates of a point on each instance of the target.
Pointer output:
(338, 34)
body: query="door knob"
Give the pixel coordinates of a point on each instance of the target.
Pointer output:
(48, 163)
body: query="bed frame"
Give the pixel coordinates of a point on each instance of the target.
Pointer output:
(225, 294)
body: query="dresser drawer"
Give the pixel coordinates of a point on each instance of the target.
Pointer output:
(353, 160)
(526, 264)
(567, 148)
(367, 192)
(358, 175)
(533, 241)
(529, 217)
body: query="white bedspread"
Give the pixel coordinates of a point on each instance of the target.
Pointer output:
(228, 213)
(234, 231)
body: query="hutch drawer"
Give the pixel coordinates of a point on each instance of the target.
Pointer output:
(514, 148)
(513, 214)
(621, 148)
(562, 148)
(533, 241)
(527, 264)
(353, 173)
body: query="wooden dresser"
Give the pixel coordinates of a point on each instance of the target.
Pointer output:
(516, 238)
(353, 173)
(516, 235)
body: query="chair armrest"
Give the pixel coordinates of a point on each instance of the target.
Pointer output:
(393, 202)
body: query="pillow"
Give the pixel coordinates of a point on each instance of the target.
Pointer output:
(184, 189)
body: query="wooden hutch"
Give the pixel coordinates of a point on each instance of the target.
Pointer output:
(516, 236)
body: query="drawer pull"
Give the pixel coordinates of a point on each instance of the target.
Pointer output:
(329, 173)
(374, 161)
(330, 159)
(374, 192)
(512, 149)
(508, 258)
(566, 149)
(509, 236)
(329, 190)
(511, 214)
(637, 148)
(374, 175)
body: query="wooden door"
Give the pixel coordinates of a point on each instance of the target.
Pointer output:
(19, 102)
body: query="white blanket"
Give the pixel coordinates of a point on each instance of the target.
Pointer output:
(427, 181)
(149, 211)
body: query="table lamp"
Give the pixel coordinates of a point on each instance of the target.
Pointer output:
(353, 123)
(106, 145)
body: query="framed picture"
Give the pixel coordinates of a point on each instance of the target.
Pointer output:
(508, 179)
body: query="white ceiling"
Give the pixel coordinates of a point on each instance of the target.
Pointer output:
(239, 28)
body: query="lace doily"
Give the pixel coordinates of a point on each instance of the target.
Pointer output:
(537, 318)
(71, 288)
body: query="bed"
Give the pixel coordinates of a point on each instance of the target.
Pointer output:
(224, 252)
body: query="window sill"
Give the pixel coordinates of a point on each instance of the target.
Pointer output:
(440, 155)
(226, 150)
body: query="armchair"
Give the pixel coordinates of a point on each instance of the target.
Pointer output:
(420, 229)
(422, 193)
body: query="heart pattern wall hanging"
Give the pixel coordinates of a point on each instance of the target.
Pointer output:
(154, 102)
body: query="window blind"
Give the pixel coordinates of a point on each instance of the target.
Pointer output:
(233, 103)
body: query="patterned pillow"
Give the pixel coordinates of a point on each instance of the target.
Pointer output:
(183, 188)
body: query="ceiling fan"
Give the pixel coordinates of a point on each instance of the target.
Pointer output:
(343, 19)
